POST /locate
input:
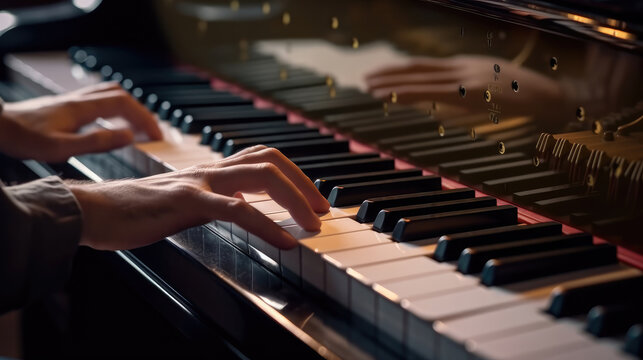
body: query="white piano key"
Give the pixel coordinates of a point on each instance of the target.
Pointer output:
(453, 334)
(336, 284)
(313, 266)
(291, 259)
(254, 197)
(333, 213)
(268, 207)
(390, 317)
(423, 337)
(540, 342)
(595, 351)
(362, 278)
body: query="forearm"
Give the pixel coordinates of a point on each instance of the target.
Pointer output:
(39, 233)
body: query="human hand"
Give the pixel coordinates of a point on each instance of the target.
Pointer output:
(46, 128)
(439, 79)
(126, 214)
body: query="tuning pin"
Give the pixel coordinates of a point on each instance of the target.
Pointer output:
(283, 74)
(329, 81)
(285, 18)
(334, 23)
(234, 5)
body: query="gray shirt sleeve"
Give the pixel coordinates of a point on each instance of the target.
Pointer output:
(40, 227)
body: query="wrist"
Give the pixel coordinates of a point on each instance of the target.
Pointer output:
(82, 194)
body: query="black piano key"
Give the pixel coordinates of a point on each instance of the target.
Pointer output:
(371, 207)
(375, 132)
(548, 192)
(427, 144)
(566, 204)
(628, 225)
(270, 74)
(311, 147)
(220, 138)
(525, 267)
(480, 174)
(206, 135)
(234, 145)
(453, 153)
(208, 132)
(353, 194)
(318, 109)
(380, 119)
(316, 171)
(634, 340)
(570, 300)
(390, 142)
(387, 218)
(427, 226)
(327, 183)
(330, 120)
(154, 99)
(179, 115)
(473, 259)
(193, 125)
(453, 167)
(160, 91)
(524, 182)
(608, 320)
(297, 102)
(449, 247)
(276, 85)
(128, 82)
(168, 106)
(333, 157)
(322, 90)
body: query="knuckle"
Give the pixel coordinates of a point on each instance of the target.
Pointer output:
(274, 152)
(258, 147)
(269, 169)
(185, 189)
(237, 206)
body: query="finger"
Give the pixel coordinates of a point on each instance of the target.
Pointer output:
(97, 88)
(113, 103)
(425, 65)
(239, 195)
(92, 142)
(265, 177)
(442, 77)
(252, 220)
(248, 150)
(290, 170)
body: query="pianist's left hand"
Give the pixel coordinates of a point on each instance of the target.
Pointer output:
(46, 128)
(126, 214)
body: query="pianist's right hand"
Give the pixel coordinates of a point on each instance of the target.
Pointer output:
(126, 214)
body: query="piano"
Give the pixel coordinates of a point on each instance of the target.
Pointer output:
(483, 160)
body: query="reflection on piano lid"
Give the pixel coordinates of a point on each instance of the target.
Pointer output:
(478, 131)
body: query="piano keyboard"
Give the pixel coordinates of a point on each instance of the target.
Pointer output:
(429, 271)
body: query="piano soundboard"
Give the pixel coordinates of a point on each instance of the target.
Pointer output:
(448, 238)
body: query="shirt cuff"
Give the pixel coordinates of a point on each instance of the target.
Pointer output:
(47, 225)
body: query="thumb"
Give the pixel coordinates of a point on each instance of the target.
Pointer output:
(96, 141)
